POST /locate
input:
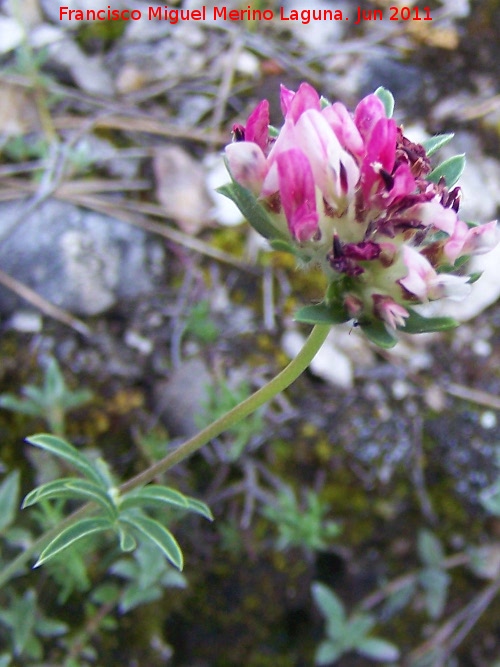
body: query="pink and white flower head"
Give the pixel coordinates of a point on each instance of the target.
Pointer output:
(352, 193)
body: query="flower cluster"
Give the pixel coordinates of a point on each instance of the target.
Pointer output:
(351, 192)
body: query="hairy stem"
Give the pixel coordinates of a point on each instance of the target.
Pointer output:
(274, 387)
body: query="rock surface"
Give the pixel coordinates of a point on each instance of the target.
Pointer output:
(79, 260)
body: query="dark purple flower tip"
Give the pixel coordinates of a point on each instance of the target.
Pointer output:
(363, 251)
(238, 132)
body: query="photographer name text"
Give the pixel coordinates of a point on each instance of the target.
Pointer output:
(222, 13)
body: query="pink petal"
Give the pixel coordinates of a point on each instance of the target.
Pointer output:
(389, 311)
(455, 288)
(404, 183)
(420, 273)
(367, 114)
(454, 246)
(433, 214)
(305, 98)
(342, 123)
(247, 164)
(257, 127)
(286, 97)
(481, 239)
(298, 193)
(380, 154)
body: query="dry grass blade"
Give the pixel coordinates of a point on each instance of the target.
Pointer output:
(144, 124)
(46, 307)
(131, 212)
(474, 396)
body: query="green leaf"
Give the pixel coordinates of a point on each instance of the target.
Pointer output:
(327, 653)
(54, 385)
(321, 313)
(330, 606)
(378, 649)
(9, 499)
(61, 448)
(430, 549)
(433, 144)
(154, 495)
(127, 541)
(134, 595)
(23, 621)
(48, 627)
(23, 406)
(398, 600)
(251, 209)
(71, 488)
(72, 534)
(451, 169)
(5, 660)
(284, 246)
(158, 534)
(417, 323)
(435, 583)
(357, 628)
(379, 334)
(490, 499)
(199, 507)
(474, 277)
(387, 99)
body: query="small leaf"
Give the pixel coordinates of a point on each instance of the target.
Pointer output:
(398, 600)
(75, 399)
(430, 549)
(9, 499)
(154, 495)
(358, 627)
(54, 385)
(24, 621)
(378, 649)
(330, 606)
(284, 246)
(61, 448)
(71, 535)
(127, 541)
(417, 323)
(327, 653)
(200, 507)
(474, 277)
(158, 534)
(54, 489)
(433, 144)
(251, 209)
(134, 595)
(48, 627)
(451, 170)
(435, 583)
(321, 313)
(92, 492)
(490, 499)
(23, 406)
(387, 99)
(379, 334)
(71, 488)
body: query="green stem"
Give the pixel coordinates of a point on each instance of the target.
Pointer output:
(278, 384)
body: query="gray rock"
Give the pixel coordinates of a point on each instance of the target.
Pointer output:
(79, 260)
(180, 400)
